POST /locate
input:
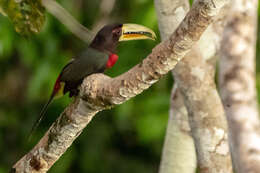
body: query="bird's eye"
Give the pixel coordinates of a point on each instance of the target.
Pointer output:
(117, 32)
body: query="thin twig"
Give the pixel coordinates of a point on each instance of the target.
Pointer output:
(69, 21)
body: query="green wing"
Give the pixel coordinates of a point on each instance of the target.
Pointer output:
(88, 62)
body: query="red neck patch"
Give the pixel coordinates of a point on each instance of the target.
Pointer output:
(112, 60)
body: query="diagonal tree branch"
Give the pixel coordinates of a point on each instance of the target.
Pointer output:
(238, 85)
(106, 7)
(99, 92)
(69, 21)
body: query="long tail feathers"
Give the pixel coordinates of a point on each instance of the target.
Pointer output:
(41, 116)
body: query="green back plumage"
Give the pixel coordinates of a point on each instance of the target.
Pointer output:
(88, 62)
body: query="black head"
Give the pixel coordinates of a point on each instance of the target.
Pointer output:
(107, 38)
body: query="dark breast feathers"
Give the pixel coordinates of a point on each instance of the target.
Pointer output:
(88, 62)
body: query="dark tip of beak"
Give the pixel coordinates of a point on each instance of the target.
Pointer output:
(148, 34)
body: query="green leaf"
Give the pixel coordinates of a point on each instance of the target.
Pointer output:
(26, 15)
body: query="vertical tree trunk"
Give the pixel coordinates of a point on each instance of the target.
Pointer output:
(179, 155)
(206, 114)
(195, 78)
(237, 85)
(179, 151)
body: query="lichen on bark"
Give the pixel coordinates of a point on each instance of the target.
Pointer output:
(26, 15)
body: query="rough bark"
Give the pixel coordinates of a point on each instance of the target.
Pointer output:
(195, 78)
(238, 87)
(179, 155)
(206, 114)
(99, 92)
(197, 66)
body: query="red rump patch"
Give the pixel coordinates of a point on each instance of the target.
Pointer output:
(57, 85)
(112, 60)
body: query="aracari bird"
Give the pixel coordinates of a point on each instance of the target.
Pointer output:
(99, 56)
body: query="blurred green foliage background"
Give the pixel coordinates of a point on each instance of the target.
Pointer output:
(126, 139)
